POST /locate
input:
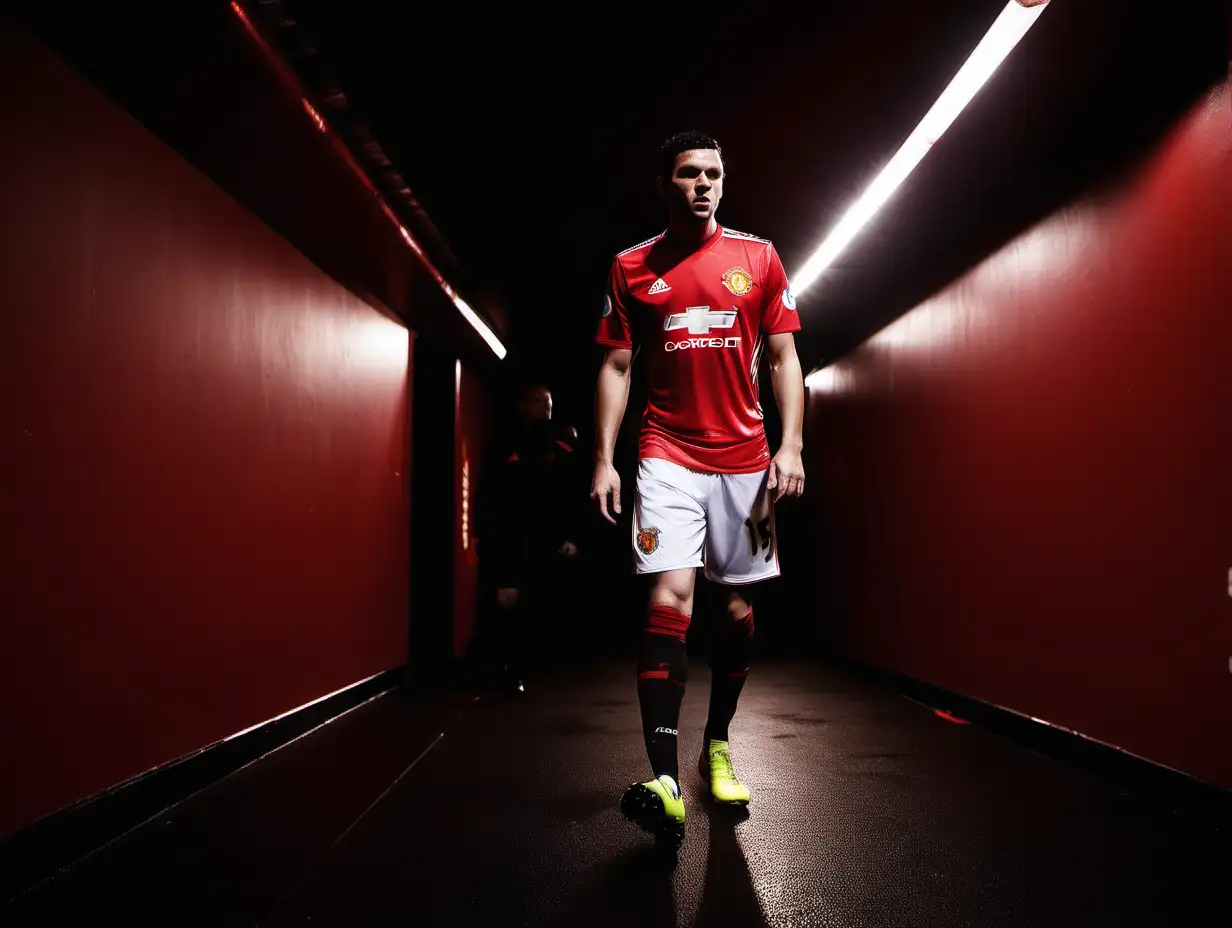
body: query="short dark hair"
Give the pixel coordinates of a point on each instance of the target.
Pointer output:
(528, 388)
(683, 141)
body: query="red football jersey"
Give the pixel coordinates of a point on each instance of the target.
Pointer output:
(699, 316)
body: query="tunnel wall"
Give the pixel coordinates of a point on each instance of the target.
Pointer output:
(204, 455)
(1020, 490)
(472, 429)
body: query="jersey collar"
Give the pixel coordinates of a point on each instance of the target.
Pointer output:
(666, 238)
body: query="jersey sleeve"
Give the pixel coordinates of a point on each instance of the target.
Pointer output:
(779, 313)
(614, 324)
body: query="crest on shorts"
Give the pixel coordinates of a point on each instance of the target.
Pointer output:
(648, 540)
(738, 280)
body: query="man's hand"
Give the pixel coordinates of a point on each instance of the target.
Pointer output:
(786, 474)
(604, 483)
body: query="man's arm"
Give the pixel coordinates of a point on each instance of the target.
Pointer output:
(787, 468)
(611, 398)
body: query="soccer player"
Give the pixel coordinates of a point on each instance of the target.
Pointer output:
(699, 302)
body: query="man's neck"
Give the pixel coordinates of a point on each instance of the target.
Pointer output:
(689, 231)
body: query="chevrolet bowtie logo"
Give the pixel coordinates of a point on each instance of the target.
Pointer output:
(699, 320)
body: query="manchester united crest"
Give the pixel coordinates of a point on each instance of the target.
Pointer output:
(738, 280)
(648, 540)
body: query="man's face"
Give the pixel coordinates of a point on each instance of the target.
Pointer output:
(696, 184)
(537, 405)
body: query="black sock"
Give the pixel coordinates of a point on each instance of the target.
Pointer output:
(662, 670)
(509, 640)
(731, 653)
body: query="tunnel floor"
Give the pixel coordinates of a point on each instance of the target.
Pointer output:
(868, 810)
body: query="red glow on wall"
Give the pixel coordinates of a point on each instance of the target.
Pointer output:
(210, 447)
(1022, 485)
(239, 11)
(311, 111)
(291, 80)
(471, 425)
(466, 505)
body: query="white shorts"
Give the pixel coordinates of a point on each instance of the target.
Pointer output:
(722, 522)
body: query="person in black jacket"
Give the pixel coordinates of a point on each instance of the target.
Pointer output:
(527, 531)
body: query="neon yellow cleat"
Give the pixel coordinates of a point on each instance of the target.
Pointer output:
(715, 767)
(655, 806)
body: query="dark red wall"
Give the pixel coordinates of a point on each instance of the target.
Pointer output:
(471, 428)
(1022, 490)
(204, 455)
(225, 99)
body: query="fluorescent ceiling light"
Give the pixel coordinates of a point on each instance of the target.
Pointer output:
(464, 308)
(997, 43)
(480, 326)
(469, 314)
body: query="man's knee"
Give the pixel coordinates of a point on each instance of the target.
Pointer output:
(671, 604)
(736, 607)
(673, 589)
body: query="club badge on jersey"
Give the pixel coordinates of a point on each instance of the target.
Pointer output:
(738, 280)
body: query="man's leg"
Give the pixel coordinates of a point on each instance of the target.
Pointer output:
(503, 562)
(663, 667)
(510, 638)
(669, 530)
(657, 805)
(742, 550)
(730, 656)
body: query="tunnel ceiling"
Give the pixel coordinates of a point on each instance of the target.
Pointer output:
(528, 138)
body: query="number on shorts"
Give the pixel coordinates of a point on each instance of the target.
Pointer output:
(760, 537)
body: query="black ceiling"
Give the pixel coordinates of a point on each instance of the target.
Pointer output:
(528, 137)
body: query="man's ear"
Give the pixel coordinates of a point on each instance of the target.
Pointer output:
(661, 186)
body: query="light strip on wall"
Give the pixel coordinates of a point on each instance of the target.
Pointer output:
(1010, 26)
(349, 686)
(826, 379)
(477, 323)
(480, 326)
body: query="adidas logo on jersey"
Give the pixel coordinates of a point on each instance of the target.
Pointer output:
(658, 287)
